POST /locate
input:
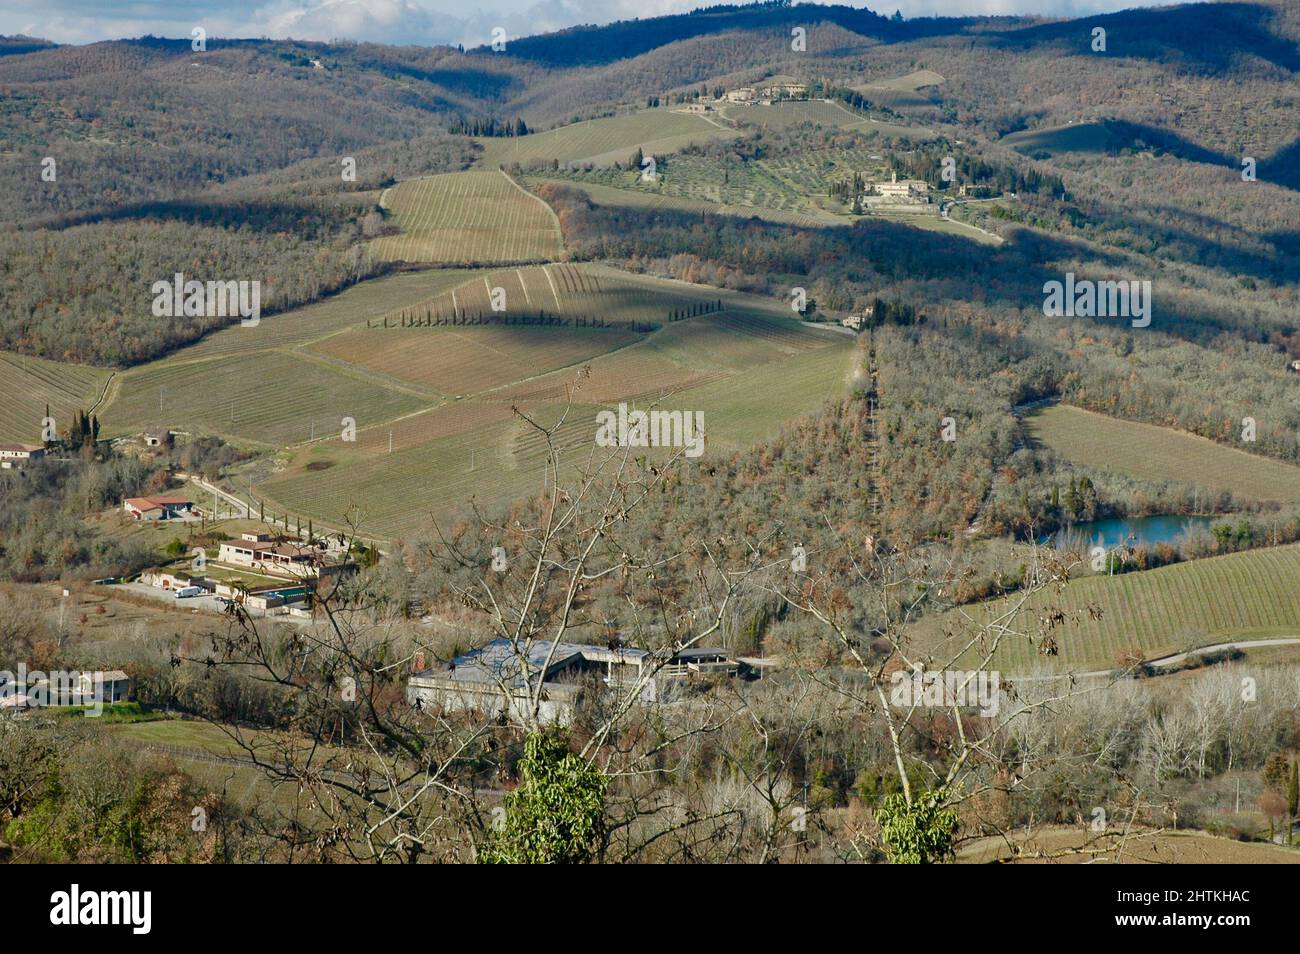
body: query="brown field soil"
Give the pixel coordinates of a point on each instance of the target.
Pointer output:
(1078, 845)
(466, 360)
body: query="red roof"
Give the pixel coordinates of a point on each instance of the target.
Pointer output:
(156, 503)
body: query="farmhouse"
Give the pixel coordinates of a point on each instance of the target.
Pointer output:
(500, 676)
(158, 508)
(39, 689)
(156, 437)
(266, 554)
(783, 88)
(272, 599)
(909, 190)
(857, 321)
(1295, 365)
(290, 560)
(699, 108)
(15, 455)
(175, 580)
(116, 685)
(745, 94)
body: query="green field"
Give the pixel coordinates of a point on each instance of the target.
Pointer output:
(918, 79)
(204, 379)
(206, 753)
(433, 405)
(640, 198)
(901, 92)
(468, 218)
(1097, 137)
(273, 398)
(29, 384)
(605, 141)
(783, 115)
(456, 361)
(289, 329)
(1243, 596)
(748, 369)
(396, 493)
(792, 187)
(585, 290)
(1148, 452)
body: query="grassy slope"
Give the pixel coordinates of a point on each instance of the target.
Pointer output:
(277, 391)
(748, 370)
(1160, 453)
(611, 195)
(1137, 847)
(604, 141)
(468, 217)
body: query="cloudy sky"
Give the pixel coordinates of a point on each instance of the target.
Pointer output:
(407, 21)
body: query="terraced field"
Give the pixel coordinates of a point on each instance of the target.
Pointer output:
(470, 218)
(605, 141)
(1238, 596)
(29, 384)
(1160, 453)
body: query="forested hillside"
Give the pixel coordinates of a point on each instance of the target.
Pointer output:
(135, 125)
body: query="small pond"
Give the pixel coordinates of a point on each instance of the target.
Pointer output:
(1148, 530)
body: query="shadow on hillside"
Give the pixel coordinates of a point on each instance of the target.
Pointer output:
(1200, 35)
(1112, 137)
(1283, 167)
(1205, 36)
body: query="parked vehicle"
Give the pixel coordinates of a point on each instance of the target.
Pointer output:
(186, 591)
